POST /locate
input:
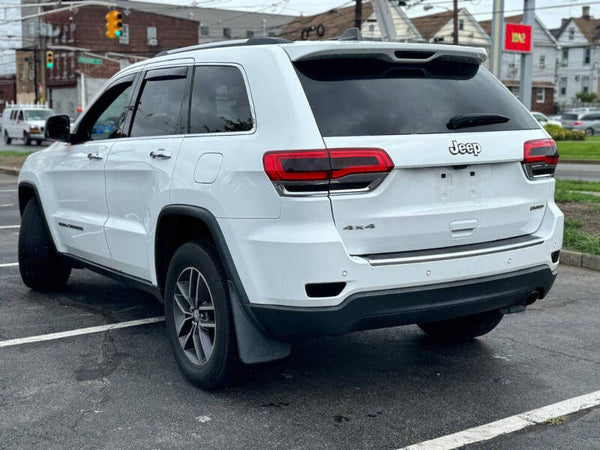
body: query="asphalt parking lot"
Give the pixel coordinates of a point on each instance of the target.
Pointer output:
(378, 389)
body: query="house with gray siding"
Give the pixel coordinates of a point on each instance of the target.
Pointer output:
(579, 56)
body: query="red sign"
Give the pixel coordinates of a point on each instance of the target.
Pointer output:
(517, 38)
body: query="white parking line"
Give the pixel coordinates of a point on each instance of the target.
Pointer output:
(80, 331)
(8, 190)
(510, 424)
(9, 227)
(9, 265)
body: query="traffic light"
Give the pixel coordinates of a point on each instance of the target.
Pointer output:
(114, 26)
(49, 59)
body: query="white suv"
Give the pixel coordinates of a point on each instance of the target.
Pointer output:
(270, 191)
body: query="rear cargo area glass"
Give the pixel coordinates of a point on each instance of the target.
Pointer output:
(370, 97)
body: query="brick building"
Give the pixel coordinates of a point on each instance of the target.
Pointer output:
(84, 58)
(8, 91)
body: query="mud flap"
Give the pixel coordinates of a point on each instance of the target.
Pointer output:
(253, 346)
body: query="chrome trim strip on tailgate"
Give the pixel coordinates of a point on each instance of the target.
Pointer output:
(459, 251)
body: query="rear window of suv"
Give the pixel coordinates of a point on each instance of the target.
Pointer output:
(369, 97)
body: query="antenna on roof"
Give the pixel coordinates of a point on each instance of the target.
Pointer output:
(351, 34)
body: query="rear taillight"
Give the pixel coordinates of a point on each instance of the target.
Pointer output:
(540, 158)
(321, 171)
(577, 122)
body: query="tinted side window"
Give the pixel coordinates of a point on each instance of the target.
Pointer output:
(370, 97)
(106, 116)
(110, 122)
(160, 105)
(219, 101)
(20, 115)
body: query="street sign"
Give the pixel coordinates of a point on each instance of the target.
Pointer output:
(85, 60)
(517, 38)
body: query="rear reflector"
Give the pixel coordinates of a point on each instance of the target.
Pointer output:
(540, 158)
(577, 122)
(328, 169)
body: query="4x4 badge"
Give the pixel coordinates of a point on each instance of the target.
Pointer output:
(472, 147)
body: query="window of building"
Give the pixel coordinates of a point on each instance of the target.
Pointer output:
(72, 28)
(227, 33)
(461, 24)
(152, 35)
(160, 105)
(203, 31)
(585, 83)
(587, 55)
(562, 86)
(371, 27)
(571, 33)
(249, 34)
(219, 101)
(64, 66)
(565, 57)
(540, 95)
(124, 38)
(542, 61)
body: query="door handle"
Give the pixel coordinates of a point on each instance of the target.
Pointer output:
(161, 153)
(95, 156)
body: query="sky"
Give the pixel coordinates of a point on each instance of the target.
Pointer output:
(549, 11)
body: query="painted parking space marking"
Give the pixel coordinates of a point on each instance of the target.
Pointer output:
(9, 227)
(8, 265)
(8, 190)
(80, 331)
(510, 424)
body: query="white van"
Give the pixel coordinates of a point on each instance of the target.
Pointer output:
(25, 122)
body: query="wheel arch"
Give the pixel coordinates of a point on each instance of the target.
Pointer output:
(178, 224)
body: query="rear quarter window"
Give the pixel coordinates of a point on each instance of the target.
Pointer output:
(362, 97)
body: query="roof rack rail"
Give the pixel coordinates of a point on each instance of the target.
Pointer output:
(221, 44)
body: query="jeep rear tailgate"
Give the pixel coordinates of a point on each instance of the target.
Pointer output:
(449, 186)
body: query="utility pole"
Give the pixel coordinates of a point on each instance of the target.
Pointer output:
(497, 43)
(358, 14)
(384, 19)
(527, 58)
(455, 18)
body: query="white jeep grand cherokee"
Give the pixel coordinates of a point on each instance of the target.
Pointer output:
(270, 190)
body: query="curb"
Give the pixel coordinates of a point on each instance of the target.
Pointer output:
(9, 170)
(578, 259)
(578, 161)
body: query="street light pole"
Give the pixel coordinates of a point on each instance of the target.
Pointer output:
(527, 58)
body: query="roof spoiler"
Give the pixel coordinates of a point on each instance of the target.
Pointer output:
(389, 51)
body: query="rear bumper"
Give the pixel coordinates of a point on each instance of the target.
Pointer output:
(386, 308)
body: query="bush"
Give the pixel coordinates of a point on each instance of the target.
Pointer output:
(560, 134)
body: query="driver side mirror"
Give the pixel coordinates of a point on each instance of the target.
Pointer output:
(58, 128)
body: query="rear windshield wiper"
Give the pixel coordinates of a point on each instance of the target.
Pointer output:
(475, 120)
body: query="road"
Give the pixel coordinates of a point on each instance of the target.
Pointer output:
(378, 389)
(17, 145)
(587, 172)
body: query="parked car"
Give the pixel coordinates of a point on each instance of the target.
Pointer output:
(265, 206)
(25, 122)
(568, 119)
(588, 122)
(545, 120)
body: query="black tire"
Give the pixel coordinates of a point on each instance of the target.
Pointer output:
(217, 369)
(589, 131)
(26, 138)
(463, 328)
(41, 268)
(7, 140)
